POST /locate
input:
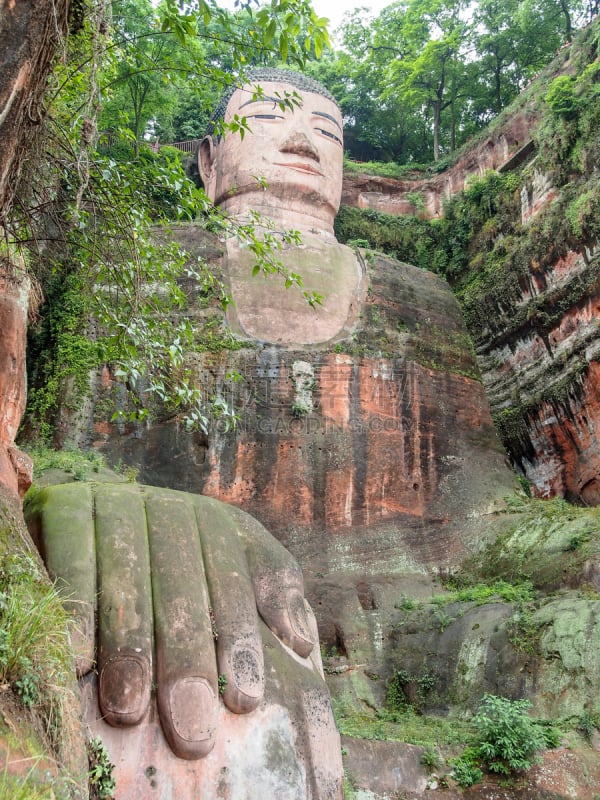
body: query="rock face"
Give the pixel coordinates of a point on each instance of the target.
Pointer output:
(541, 645)
(533, 316)
(546, 390)
(508, 143)
(374, 456)
(380, 769)
(15, 467)
(446, 652)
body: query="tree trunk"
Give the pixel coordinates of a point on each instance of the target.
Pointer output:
(497, 84)
(564, 7)
(31, 32)
(437, 115)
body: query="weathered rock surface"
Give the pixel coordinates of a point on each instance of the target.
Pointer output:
(544, 648)
(509, 142)
(549, 655)
(446, 654)
(374, 456)
(15, 466)
(379, 770)
(542, 377)
(537, 343)
(384, 768)
(538, 354)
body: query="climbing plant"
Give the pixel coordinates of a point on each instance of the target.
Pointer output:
(85, 218)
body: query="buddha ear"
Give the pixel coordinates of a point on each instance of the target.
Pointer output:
(206, 165)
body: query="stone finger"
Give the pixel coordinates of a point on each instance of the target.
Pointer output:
(278, 584)
(124, 604)
(64, 522)
(239, 645)
(187, 694)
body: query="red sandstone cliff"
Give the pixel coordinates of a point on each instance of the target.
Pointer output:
(15, 467)
(371, 457)
(537, 344)
(508, 142)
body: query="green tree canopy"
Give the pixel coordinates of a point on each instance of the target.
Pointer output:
(418, 79)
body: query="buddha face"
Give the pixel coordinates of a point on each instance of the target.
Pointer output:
(290, 158)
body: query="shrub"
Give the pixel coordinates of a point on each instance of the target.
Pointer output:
(429, 758)
(101, 781)
(405, 690)
(508, 737)
(561, 96)
(466, 772)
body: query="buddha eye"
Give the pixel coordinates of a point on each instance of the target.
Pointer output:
(266, 116)
(329, 135)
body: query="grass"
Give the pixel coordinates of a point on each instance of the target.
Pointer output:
(34, 643)
(27, 788)
(36, 785)
(78, 463)
(482, 593)
(402, 726)
(385, 169)
(349, 786)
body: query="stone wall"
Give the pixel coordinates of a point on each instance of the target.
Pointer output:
(538, 350)
(370, 458)
(507, 142)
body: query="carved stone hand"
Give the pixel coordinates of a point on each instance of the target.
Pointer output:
(177, 582)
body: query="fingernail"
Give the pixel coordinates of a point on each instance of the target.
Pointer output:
(193, 706)
(247, 668)
(124, 690)
(299, 623)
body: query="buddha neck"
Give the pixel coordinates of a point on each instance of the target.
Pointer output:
(302, 216)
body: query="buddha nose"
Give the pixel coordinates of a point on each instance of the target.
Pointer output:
(300, 144)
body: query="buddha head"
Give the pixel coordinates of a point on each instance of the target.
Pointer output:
(287, 164)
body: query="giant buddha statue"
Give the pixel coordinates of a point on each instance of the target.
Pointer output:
(365, 442)
(197, 652)
(365, 445)
(288, 168)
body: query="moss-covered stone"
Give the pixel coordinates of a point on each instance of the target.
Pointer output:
(569, 669)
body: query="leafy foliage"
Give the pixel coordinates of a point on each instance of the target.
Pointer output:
(508, 737)
(561, 96)
(100, 776)
(61, 353)
(506, 740)
(405, 689)
(82, 465)
(484, 592)
(89, 211)
(416, 81)
(465, 769)
(443, 245)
